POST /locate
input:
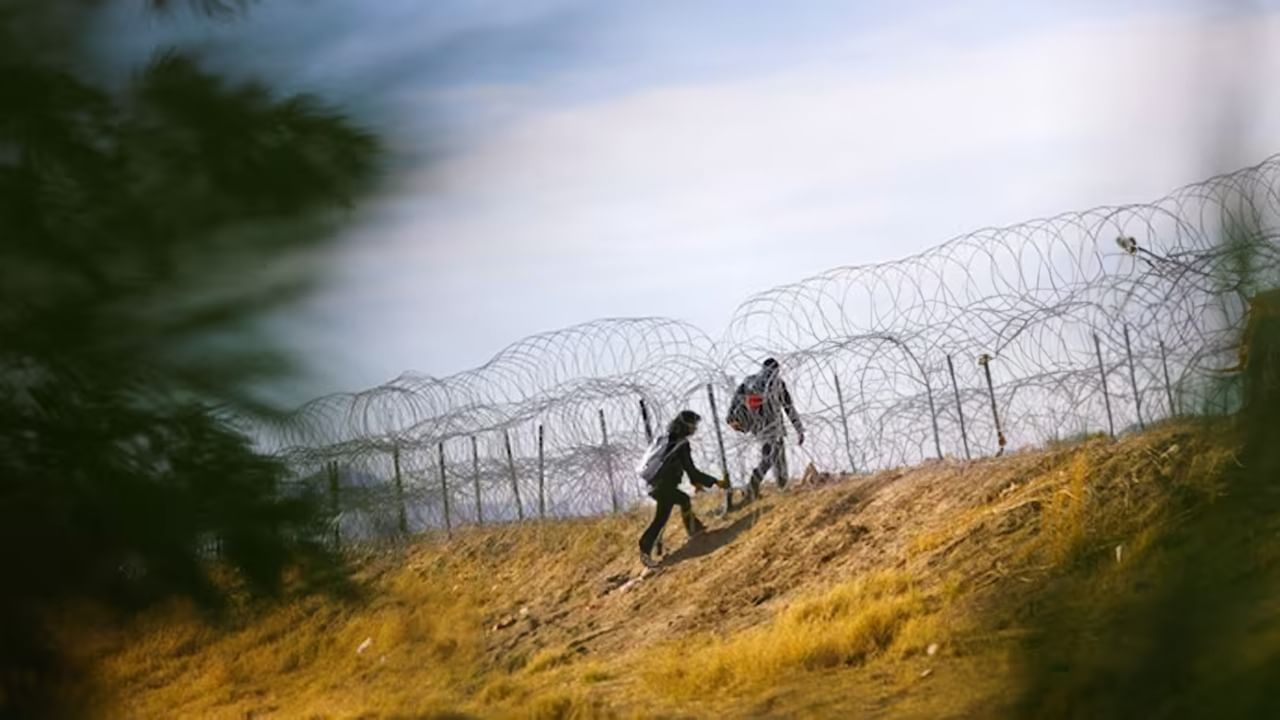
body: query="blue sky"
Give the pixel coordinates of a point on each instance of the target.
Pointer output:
(558, 160)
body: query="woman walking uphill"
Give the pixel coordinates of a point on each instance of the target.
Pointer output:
(667, 460)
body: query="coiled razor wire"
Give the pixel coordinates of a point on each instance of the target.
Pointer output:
(1100, 320)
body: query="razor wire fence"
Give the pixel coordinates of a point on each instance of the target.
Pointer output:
(1096, 321)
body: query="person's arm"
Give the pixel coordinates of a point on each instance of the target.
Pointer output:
(792, 415)
(734, 403)
(696, 476)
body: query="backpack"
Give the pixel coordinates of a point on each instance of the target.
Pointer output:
(656, 456)
(746, 410)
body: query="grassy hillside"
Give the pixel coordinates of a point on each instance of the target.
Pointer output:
(1096, 579)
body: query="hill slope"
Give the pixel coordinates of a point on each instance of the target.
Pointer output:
(1047, 584)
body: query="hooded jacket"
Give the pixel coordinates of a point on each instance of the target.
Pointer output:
(777, 400)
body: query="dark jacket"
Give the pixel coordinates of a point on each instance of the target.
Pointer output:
(677, 465)
(777, 400)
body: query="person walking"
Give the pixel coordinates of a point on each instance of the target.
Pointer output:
(668, 460)
(758, 407)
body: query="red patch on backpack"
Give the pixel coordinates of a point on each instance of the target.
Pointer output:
(755, 402)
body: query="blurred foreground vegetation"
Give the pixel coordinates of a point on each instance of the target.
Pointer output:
(142, 229)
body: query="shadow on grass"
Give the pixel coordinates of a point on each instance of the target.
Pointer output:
(712, 540)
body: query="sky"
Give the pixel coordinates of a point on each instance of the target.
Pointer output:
(557, 161)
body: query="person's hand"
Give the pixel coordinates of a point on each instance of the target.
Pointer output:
(800, 439)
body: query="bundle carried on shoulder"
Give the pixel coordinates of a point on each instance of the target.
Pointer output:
(746, 410)
(656, 456)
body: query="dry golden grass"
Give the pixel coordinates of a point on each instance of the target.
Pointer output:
(1064, 514)
(825, 600)
(596, 672)
(841, 627)
(568, 705)
(306, 651)
(549, 658)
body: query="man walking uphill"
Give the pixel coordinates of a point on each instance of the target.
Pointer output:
(757, 408)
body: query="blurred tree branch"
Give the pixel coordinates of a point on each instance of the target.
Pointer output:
(141, 234)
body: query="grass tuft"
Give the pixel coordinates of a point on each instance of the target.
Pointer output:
(568, 706)
(843, 626)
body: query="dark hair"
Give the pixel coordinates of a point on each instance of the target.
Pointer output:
(770, 364)
(684, 424)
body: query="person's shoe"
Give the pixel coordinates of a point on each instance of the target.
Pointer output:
(782, 483)
(754, 493)
(648, 560)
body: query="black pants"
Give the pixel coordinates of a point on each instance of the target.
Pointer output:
(773, 455)
(667, 501)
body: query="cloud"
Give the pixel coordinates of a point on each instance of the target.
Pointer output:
(683, 198)
(673, 158)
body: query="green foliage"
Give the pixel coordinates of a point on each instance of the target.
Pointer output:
(141, 234)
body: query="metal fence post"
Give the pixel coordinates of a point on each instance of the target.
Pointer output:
(511, 465)
(608, 461)
(648, 426)
(444, 492)
(1133, 380)
(724, 462)
(1168, 386)
(1106, 396)
(985, 361)
(403, 516)
(933, 415)
(542, 488)
(964, 435)
(475, 478)
(844, 422)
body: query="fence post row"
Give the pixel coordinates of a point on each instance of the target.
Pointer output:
(444, 491)
(985, 361)
(844, 422)
(475, 477)
(1106, 396)
(403, 514)
(511, 465)
(542, 486)
(334, 480)
(1133, 379)
(964, 435)
(724, 462)
(608, 462)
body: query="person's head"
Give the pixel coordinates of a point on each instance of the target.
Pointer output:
(684, 424)
(771, 366)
